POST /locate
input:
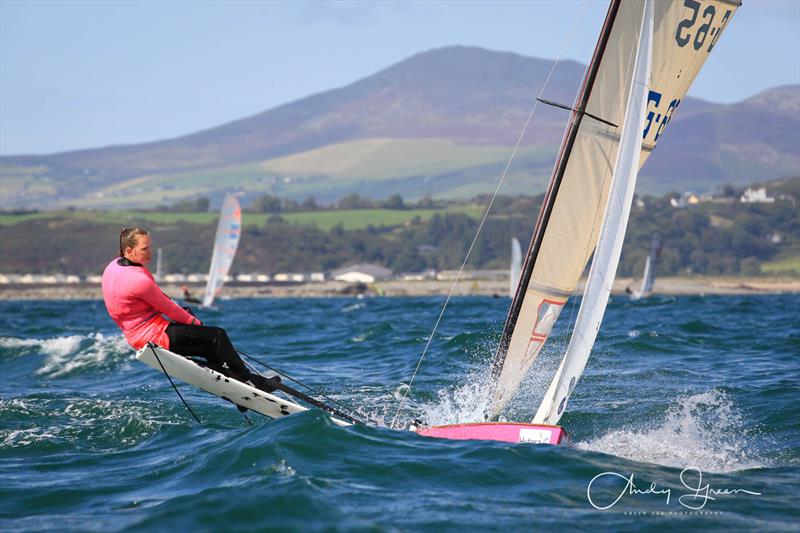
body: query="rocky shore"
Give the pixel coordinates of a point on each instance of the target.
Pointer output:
(697, 285)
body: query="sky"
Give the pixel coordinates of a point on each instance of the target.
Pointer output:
(88, 74)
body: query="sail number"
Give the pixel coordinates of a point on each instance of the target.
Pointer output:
(657, 119)
(690, 32)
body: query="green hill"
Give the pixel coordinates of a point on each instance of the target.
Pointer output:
(440, 123)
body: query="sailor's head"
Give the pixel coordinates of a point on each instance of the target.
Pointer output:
(134, 244)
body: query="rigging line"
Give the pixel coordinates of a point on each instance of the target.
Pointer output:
(150, 345)
(488, 208)
(290, 378)
(313, 391)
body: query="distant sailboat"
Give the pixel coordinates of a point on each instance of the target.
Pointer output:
(649, 276)
(646, 58)
(158, 264)
(516, 267)
(229, 230)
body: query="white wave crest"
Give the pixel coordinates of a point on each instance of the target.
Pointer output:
(71, 352)
(89, 351)
(89, 422)
(703, 431)
(54, 346)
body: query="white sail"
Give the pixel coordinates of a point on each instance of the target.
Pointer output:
(516, 267)
(568, 226)
(648, 278)
(612, 234)
(229, 229)
(158, 264)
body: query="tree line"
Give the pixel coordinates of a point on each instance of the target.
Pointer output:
(707, 238)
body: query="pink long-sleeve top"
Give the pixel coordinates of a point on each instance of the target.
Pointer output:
(138, 306)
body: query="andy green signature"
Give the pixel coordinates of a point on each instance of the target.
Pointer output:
(695, 497)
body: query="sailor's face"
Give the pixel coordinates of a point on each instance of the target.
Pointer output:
(141, 253)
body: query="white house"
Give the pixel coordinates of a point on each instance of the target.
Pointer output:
(756, 196)
(362, 273)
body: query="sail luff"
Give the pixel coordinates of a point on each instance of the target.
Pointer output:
(612, 234)
(552, 190)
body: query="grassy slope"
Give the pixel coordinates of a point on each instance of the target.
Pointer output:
(787, 265)
(409, 167)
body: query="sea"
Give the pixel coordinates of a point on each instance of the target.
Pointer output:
(687, 417)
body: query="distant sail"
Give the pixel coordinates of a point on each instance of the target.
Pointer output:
(649, 276)
(516, 267)
(229, 230)
(158, 264)
(568, 225)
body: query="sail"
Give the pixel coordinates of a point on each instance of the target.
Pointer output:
(612, 234)
(649, 276)
(226, 241)
(516, 266)
(158, 264)
(568, 225)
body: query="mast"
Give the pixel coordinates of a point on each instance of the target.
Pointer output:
(553, 187)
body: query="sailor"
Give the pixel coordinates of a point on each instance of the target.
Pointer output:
(187, 296)
(137, 305)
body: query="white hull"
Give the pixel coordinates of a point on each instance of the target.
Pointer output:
(217, 384)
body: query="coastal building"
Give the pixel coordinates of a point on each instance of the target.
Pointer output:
(452, 275)
(688, 198)
(420, 276)
(362, 273)
(756, 196)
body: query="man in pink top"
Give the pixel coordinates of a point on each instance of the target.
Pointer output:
(137, 305)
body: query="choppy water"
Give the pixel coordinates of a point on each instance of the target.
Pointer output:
(93, 440)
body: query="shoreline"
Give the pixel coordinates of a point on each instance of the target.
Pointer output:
(665, 286)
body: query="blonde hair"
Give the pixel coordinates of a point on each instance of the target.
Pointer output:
(129, 236)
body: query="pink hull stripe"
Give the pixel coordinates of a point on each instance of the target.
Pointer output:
(499, 431)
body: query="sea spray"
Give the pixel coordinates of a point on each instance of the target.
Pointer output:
(702, 430)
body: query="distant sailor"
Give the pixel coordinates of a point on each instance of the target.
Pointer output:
(187, 296)
(137, 305)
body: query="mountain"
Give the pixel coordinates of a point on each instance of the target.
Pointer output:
(441, 122)
(753, 140)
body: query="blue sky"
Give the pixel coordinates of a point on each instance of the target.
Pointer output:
(88, 74)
